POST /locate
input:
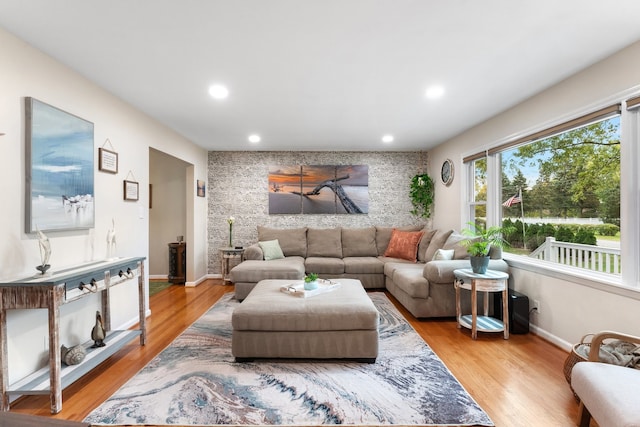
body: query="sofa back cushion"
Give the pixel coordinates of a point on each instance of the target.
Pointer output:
(293, 241)
(453, 242)
(325, 242)
(424, 244)
(383, 236)
(437, 242)
(359, 242)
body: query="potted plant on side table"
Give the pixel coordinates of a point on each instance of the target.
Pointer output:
(479, 242)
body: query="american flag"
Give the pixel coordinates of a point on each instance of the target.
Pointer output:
(512, 200)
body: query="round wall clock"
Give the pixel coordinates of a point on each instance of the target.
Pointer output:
(446, 174)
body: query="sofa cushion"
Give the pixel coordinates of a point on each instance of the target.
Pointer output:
(392, 264)
(324, 265)
(271, 249)
(363, 265)
(437, 242)
(252, 271)
(495, 252)
(404, 244)
(324, 242)
(424, 244)
(359, 242)
(453, 242)
(410, 279)
(293, 241)
(383, 236)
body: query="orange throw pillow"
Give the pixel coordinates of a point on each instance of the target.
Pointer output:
(404, 244)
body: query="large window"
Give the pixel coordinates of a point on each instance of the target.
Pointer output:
(478, 202)
(562, 195)
(559, 190)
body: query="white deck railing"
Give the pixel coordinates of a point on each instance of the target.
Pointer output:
(598, 258)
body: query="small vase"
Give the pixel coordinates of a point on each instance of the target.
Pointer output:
(309, 286)
(230, 234)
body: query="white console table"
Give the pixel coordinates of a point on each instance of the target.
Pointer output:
(50, 292)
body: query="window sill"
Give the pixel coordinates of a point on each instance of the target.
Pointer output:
(604, 282)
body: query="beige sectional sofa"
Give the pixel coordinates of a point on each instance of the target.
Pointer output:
(423, 285)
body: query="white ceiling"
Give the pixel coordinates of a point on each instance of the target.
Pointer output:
(324, 74)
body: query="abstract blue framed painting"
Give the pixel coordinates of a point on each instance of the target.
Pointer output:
(59, 169)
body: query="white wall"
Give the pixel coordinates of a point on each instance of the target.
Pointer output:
(569, 310)
(24, 72)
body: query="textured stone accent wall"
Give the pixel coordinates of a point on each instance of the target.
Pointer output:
(238, 187)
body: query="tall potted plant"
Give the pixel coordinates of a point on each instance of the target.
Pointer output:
(479, 242)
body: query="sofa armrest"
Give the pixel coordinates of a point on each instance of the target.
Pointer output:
(253, 252)
(441, 271)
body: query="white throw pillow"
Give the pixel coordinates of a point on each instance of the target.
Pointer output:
(443, 254)
(271, 249)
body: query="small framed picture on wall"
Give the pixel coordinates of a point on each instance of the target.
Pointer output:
(130, 190)
(107, 160)
(201, 188)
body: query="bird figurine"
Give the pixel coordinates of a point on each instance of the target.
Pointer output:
(98, 333)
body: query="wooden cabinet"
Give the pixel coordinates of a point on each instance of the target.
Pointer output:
(177, 262)
(50, 292)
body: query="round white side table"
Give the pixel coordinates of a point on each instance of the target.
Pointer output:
(491, 281)
(227, 254)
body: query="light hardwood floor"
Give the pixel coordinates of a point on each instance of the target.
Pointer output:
(518, 382)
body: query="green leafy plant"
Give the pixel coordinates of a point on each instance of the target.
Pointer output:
(480, 239)
(311, 277)
(421, 194)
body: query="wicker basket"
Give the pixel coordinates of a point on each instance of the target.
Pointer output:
(573, 358)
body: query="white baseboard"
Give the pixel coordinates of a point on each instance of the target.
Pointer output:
(202, 279)
(567, 346)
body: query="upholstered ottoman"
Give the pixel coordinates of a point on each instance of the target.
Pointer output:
(341, 324)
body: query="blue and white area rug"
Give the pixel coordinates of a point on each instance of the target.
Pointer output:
(195, 381)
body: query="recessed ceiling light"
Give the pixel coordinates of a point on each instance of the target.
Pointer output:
(434, 92)
(254, 139)
(387, 139)
(218, 91)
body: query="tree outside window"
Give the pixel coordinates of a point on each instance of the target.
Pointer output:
(566, 186)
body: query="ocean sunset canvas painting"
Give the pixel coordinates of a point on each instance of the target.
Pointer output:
(319, 189)
(60, 187)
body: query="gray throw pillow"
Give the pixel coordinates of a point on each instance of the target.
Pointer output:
(271, 250)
